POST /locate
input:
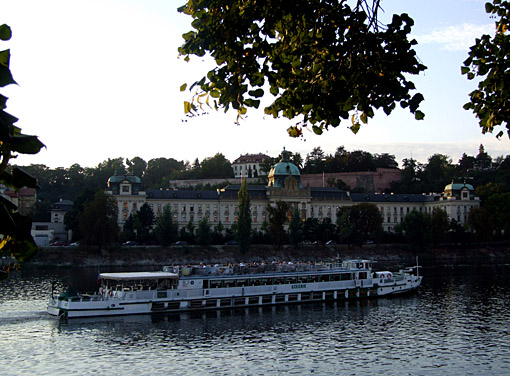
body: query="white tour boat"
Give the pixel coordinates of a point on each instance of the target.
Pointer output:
(177, 289)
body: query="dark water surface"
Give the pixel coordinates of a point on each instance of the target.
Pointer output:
(457, 324)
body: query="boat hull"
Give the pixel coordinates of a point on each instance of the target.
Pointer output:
(131, 303)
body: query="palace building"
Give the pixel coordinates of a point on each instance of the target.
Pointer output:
(284, 184)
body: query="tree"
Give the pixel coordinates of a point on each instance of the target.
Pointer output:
(385, 160)
(217, 235)
(15, 237)
(359, 222)
(278, 216)
(466, 163)
(166, 231)
(296, 233)
(489, 60)
(216, 167)
(98, 221)
(440, 224)
(417, 228)
(359, 160)
(160, 168)
(497, 205)
(136, 166)
(71, 218)
(311, 229)
(327, 230)
(244, 218)
(320, 59)
(439, 172)
(481, 224)
(146, 218)
(315, 161)
(344, 225)
(204, 234)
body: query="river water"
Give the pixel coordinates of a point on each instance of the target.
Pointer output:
(457, 323)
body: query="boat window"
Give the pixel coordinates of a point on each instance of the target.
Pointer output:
(216, 284)
(206, 284)
(230, 283)
(242, 282)
(302, 279)
(267, 281)
(335, 277)
(278, 281)
(346, 276)
(363, 275)
(317, 278)
(291, 280)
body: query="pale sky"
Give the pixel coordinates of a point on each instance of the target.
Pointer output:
(100, 79)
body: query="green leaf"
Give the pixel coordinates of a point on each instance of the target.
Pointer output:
(5, 32)
(317, 130)
(464, 70)
(418, 115)
(26, 144)
(363, 118)
(6, 76)
(488, 7)
(256, 93)
(183, 87)
(355, 128)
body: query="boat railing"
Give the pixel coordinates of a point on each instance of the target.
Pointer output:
(252, 268)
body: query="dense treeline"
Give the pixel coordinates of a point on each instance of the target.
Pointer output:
(489, 175)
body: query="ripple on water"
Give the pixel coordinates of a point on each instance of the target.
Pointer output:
(456, 324)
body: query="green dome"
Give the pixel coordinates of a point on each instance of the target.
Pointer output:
(283, 170)
(120, 178)
(458, 187)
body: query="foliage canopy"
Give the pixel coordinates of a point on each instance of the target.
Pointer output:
(323, 60)
(489, 59)
(15, 237)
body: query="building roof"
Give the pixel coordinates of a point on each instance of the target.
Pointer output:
(254, 191)
(251, 158)
(458, 187)
(181, 194)
(377, 197)
(283, 170)
(64, 205)
(325, 193)
(120, 178)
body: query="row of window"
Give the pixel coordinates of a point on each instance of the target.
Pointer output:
(389, 214)
(282, 280)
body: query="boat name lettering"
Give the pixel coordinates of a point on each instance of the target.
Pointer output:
(300, 286)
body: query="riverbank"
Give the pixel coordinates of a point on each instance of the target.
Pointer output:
(157, 256)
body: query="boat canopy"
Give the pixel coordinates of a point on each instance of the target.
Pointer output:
(138, 276)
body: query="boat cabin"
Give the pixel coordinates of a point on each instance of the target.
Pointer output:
(139, 281)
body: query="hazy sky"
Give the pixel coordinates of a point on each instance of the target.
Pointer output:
(100, 79)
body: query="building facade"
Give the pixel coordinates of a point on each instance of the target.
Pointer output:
(249, 165)
(284, 185)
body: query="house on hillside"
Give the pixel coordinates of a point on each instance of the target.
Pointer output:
(249, 165)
